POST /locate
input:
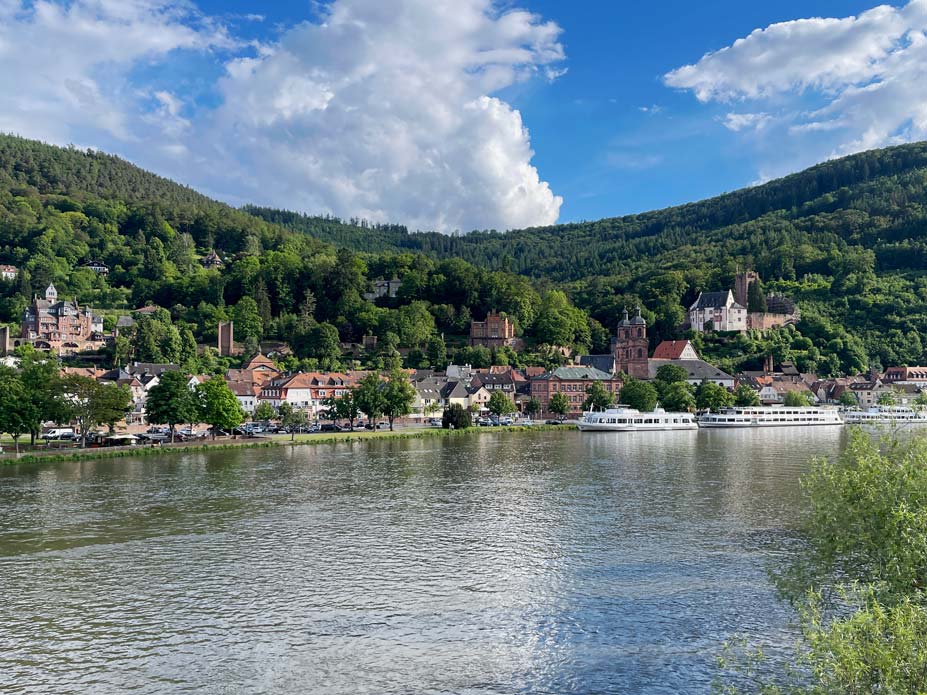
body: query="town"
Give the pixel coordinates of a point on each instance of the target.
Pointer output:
(263, 390)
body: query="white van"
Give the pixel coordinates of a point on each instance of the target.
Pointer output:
(60, 433)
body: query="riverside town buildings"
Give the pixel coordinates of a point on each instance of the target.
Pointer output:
(59, 326)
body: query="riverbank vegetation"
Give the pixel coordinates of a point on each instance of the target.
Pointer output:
(858, 583)
(296, 440)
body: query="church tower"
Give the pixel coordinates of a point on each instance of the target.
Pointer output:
(632, 346)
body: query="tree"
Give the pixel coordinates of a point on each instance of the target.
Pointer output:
(678, 397)
(91, 403)
(44, 391)
(13, 403)
(756, 298)
(398, 396)
(500, 404)
(218, 405)
(436, 352)
(671, 373)
(597, 397)
(745, 396)
(886, 398)
(532, 407)
(456, 417)
(920, 401)
(343, 408)
(639, 394)
(796, 399)
(171, 401)
(292, 418)
(264, 411)
(369, 397)
(712, 396)
(559, 405)
(247, 318)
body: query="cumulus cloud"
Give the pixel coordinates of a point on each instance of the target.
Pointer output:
(746, 121)
(389, 111)
(66, 66)
(386, 110)
(866, 73)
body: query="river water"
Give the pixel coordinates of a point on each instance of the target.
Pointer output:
(553, 562)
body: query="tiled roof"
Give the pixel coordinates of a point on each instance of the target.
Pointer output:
(696, 369)
(604, 363)
(670, 349)
(577, 374)
(713, 300)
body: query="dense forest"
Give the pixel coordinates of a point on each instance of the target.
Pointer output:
(845, 239)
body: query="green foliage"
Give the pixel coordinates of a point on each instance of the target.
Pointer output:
(13, 404)
(292, 418)
(91, 403)
(886, 398)
(597, 397)
(171, 401)
(218, 406)
(639, 394)
(849, 400)
(532, 407)
(671, 373)
(745, 396)
(398, 396)
(500, 404)
(343, 407)
(456, 417)
(559, 404)
(263, 412)
(678, 397)
(797, 399)
(712, 396)
(369, 396)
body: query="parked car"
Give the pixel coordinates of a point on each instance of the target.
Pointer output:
(61, 433)
(436, 422)
(553, 422)
(330, 427)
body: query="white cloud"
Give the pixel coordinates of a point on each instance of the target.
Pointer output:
(65, 66)
(746, 121)
(868, 75)
(383, 110)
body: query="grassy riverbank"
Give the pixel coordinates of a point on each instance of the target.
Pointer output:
(53, 456)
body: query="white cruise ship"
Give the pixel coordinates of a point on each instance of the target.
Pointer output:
(886, 415)
(624, 419)
(772, 416)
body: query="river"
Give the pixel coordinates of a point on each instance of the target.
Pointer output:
(554, 562)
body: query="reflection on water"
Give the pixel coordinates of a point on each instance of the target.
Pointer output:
(550, 563)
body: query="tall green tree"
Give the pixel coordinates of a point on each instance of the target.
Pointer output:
(292, 418)
(92, 404)
(13, 403)
(559, 405)
(369, 396)
(532, 407)
(398, 396)
(264, 411)
(171, 401)
(797, 399)
(500, 404)
(639, 394)
(597, 397)
(218, 406)
(44, 391)
(678, 397)
(712, 396)
(745, 396)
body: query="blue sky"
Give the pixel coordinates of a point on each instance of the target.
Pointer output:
(427, 112)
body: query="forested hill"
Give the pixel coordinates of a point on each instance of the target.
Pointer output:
(846, 239)
(875, 199)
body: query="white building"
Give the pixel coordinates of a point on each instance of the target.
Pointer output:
(720, 310)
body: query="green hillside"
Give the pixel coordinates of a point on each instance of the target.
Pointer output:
(845, 239)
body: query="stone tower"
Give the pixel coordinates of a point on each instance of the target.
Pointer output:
(51, 294)
(742, 282)
(632, 346)
(226, 343)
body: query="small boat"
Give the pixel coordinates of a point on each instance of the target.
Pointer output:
(886, 415)
(771, 416)
(624, 419)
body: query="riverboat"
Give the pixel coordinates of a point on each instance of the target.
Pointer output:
(624, 419)
(771, 416)
(886, 415)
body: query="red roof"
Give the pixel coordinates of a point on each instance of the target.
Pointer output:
(670, 349)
